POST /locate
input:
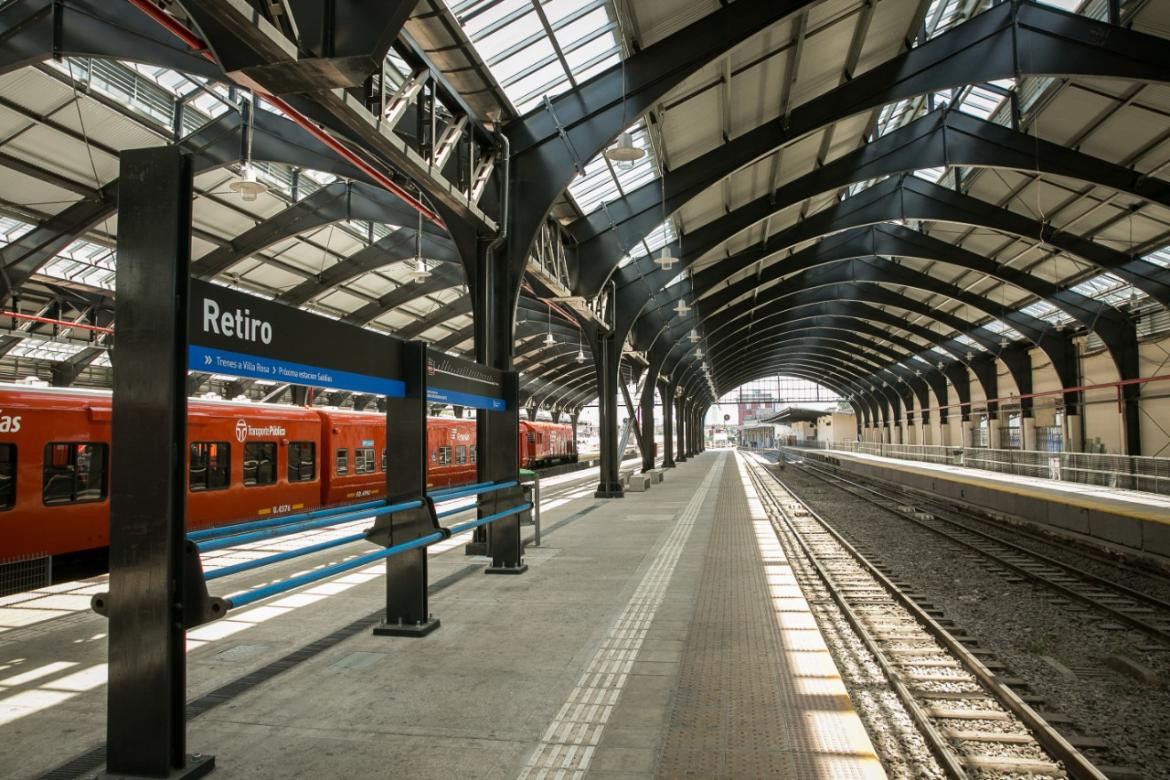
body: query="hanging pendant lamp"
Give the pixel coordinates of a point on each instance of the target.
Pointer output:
(549, 340)
(623, 150)
(420, 272)
(246, 184)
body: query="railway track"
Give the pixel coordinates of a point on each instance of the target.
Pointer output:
(1127, 606)
(973, 724)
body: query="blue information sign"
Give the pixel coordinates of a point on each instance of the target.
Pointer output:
(230, 332)
(452, 380)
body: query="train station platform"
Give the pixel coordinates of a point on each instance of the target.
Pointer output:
(1126, 520)
(660, 635)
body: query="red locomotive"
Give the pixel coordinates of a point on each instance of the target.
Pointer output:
(244, 461)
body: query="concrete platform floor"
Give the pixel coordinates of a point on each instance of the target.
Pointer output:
(572, 669)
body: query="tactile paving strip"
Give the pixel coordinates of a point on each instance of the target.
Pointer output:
(743, 708)
(567, 747)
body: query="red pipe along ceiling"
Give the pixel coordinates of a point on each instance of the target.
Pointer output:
(51, 321)
(200, 47)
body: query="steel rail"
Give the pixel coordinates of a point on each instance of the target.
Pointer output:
(1091, 580)
(1075, 763)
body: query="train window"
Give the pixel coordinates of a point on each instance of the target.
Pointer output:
(460, 455)
(259, 463)
(444, 456)
(531, 437)
(302, 461)
(473, 453)
(342, 462)
(210, 465)
(7, 476)
(363, 460)
(75, 472)
(383, 459)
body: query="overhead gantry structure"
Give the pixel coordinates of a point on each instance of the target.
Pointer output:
(918, 204)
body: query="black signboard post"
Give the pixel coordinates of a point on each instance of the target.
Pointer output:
(495, 395)
(169, 323)
(146, 723)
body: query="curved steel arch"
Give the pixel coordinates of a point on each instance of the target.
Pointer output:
(911, 198)
(852, 299)
(1009, 40)
(867, 363)
(822, 290)
(895, 240)
(858, 270)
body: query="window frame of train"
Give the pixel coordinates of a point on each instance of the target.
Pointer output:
(460, 454)
(265, 443)
(225, 467)
(8, 462)
(471, 453)
(296, 473)
(74, 454)
(444, 455)
(341, 462)
(363, 461)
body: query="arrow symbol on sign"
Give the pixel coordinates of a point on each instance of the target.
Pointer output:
(207, 360)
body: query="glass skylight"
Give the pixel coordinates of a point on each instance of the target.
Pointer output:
(537, 49)
(1110, 289)
(36, 348)
(605, 180)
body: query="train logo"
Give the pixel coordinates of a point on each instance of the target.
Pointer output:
(241, 430)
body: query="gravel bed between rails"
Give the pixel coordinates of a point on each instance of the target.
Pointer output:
(1026, 627)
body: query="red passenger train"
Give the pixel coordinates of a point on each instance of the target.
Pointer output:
(244, 461)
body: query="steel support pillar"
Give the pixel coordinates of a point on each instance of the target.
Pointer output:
(492, 313)
(150, 559)
(407, 607)
(608, 357)
(681, 419)
(647, 403)
(667, 393)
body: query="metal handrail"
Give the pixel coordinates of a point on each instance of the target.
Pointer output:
(329, 516)
(1129, 472)
(250, 596)
(308, 525)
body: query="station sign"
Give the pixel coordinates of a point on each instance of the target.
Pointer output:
(452, 380)
(229, 332)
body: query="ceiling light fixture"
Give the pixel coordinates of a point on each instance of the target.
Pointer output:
(420, 273)
(247, 185)
(624, 150)
(549, 340)
(580, 349)
(681, 307)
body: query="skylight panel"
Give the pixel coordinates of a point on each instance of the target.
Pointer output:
(1160, 257)
(36, 348)
(605, 180)
(512, 39)
(1003, 329)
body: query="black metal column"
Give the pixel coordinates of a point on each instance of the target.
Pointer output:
(667, 392)
(647, 404)
(499, 460)
(493, 303)
(407, 609)
(608, 359)
(1130, 395)
(681, 419)
(146, 723)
